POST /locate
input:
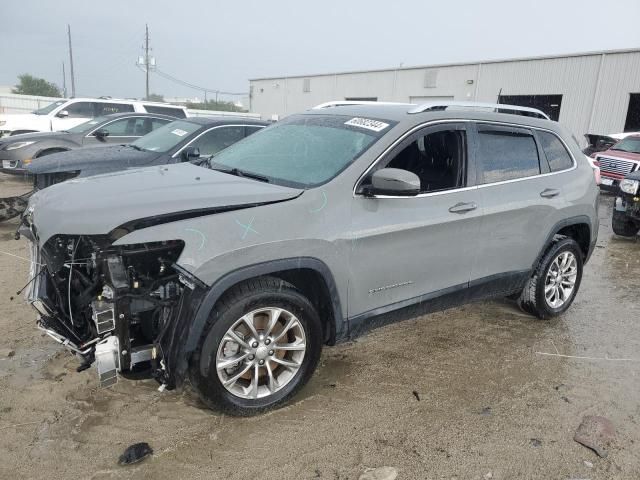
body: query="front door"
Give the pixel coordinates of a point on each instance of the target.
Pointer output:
(409, 249)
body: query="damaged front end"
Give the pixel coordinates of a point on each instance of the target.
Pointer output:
(110, 305)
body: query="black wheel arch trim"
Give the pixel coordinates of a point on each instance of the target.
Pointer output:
(568, 222)
(218, 289)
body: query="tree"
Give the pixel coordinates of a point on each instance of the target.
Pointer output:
(30, 85)
(155, 97)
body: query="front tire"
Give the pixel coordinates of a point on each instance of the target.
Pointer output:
(622, 225)
(261, 345)
(555, 282)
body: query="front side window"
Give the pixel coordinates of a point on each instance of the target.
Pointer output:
(81, 110)
(217, 139)
(437, 158)
(555, 151)
(167, 137)
(131, 127)
(506, 154)
(49, 108)
(109, 108)
(304, 150)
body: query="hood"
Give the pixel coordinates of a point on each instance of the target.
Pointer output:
(598, 143)
(620, 154)
(142, 197)
(24, 121)
(33, 137)
(116, 157)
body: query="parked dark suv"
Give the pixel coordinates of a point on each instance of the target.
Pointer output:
(311, 231)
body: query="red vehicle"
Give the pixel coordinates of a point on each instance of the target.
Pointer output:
(618, 161)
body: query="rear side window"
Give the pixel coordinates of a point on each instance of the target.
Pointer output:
(81, 110)
(174, 112)
(108, 108)
(555, 151)
(506, 154)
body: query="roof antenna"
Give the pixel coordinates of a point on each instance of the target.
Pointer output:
(499, 93)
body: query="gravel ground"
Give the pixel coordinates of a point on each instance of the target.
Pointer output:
(487, 403)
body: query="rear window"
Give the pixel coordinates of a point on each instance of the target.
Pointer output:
(555, 151)
(174, 112)
(506, 154)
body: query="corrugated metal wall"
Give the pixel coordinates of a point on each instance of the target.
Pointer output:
(588, 104)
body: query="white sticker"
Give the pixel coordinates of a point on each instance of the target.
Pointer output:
(180, 133)
(375, 125)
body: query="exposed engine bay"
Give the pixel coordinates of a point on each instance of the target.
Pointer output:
(109, 305)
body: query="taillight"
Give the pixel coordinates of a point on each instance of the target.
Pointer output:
(595, 165)
(596, 173)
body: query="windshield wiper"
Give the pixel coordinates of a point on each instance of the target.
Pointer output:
(241, 173)
(135, 147)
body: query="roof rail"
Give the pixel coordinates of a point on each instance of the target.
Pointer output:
(340, 103)
(495, 107)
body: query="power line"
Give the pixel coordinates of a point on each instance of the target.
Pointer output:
(195, 87)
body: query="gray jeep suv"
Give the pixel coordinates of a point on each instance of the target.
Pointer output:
(234, 274)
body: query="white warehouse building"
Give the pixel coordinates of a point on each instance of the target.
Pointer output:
(595, 92)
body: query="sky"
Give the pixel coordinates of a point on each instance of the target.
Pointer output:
(221, 45)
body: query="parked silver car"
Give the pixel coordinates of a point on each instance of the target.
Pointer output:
(326, 224)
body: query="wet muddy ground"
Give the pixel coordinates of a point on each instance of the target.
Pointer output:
(492, 403)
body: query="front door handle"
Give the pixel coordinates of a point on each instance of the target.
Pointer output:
(550, 192)
(463, 207)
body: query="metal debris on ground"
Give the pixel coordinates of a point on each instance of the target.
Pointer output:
(135, 453)
(535, 442)
(416, 394)
(597, 433)
(381, 473)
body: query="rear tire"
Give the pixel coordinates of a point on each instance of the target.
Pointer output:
(622, 225)
(287, 330)
(555, 282)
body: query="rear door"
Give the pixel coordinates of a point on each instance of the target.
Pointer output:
(522, 200)
(408, 249)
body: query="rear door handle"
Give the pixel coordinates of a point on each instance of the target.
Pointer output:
(550, 192)
(463, 207)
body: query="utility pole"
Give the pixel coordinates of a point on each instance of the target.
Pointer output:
(73, 81)
(64, 82)
(146, 59)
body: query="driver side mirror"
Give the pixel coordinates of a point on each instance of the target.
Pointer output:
(101, 134)
(190, 153)
(393, 181)
(62, 114)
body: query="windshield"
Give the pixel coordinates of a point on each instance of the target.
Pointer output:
(629, 144)
(303, 151)
(87, 126)
(49, 108)
(165, 138)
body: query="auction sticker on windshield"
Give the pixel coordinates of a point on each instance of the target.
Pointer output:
(179, 132)
(375, 125)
